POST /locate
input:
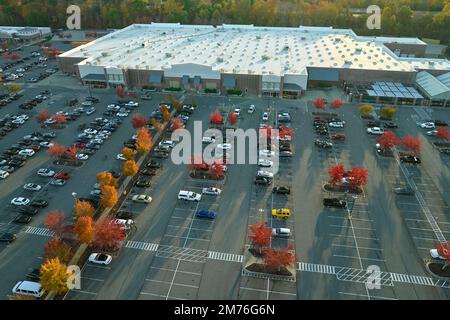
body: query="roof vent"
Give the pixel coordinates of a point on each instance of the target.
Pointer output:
(265, 57)
(168, 55)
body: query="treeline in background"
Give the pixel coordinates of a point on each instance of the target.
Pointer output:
(416, 18)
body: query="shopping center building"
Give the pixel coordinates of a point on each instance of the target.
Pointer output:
(266, 61)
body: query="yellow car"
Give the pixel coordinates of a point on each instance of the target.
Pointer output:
(281, 213)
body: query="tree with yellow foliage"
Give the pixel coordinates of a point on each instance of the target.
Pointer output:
(128, 153)
(106, 179)
(143, 141)
(54, 276)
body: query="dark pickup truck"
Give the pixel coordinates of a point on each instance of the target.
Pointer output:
(334, 202)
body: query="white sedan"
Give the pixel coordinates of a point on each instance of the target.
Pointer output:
(120, 156)
(26, 152)
(208, 140)
(142, 198)
(82, 156)
(122, 114)
(132, 104)
(58, 182)
(265, 163)
(265, 116)
(46, 173)
(18, 121)
(336, 124)
(435, 254)
(266, 153)
(100, 258)
(46, 144)
(32, 187)
(224, 146)
(20, 201)
(427, 125)
(212, 191)
(265, 174)
(431, 133)
(375, 130)
(90, 131)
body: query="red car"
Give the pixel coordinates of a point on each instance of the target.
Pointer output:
(62, 175)
(80, 145)
(338, 136)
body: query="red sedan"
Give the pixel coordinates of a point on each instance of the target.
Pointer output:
(62, 175)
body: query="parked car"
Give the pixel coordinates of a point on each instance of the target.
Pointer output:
(251, 109)
(281, 190)
(334, 202)
(20, 201)
(100, 258)
(390, 124)
(34, 275)
(435, 254)
(263, 181)
(212, 191)
(281, 232)
(32, 187)
(407, 191)
(283, 213)
(336, 124)
(143, 183)
(62, 175)
(141, 198)
(440, 123)
(410, 159)
(58, 182)
(426, 125)
(203, 213)
(189, 196)
(323, 144)
(7, 237)
(148, 172)
(29, 211)
(22, 219)
(46, 173)
(338, 136)
(124, 215)
(39, 203)
(265, 116)
(375, 131)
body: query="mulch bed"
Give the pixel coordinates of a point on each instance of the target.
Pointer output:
(331, 188)
(386, 153)
(436, 268)
(261, 268)
(367, 117)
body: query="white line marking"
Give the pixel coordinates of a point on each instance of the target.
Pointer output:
(363, 295)
(270, 291)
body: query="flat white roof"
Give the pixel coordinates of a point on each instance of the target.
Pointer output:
(246, 49)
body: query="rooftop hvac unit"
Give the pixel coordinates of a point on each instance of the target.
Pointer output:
(265, 57)
(168, 55)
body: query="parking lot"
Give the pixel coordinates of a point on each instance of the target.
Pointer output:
(173, 254)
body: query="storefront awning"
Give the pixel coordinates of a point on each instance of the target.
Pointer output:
(94, 77)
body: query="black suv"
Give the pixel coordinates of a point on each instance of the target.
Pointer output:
(27, 210)
(263, 180)
(334, 202)
(7, 237)
(410, 159)
(143, 183)
(281, 190)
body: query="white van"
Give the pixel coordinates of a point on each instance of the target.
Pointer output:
(28, 288)
(281, 232)
(189, 196)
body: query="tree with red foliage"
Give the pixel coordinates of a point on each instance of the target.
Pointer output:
(336, 104)
(56, 248)
(277, 259)
(108, 235)
(57, 150)
(261, 236)
(15, 56)
(120, 91)
(336, 174)
(319, 103)
(176, 124)
(138, 121)
(442, 133)
(43, 115)
(285, 131)
(55, 221)
(216, 118)
(216, 170)
(198, 163)
(443, 250)
(357, 177)
(388, 140)
(59, 118)
(412, 143)
(71, 152)
(233, 118)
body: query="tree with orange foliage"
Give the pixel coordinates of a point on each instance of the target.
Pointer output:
(336, 104)
(165, 113)
(108, 197)
(43, 115)
(157, 125)
(128, 153)
(71, 152)
(108, 235)
(261, 236)
(83, 209)
(412, 143)
(57, 150)
(176, 124)
(130, 168)
(59, 118)
(277, 259)
(106, 179)
(56, 248)
(55, 221)
(84, 229)
(143, 141)
(138, 121)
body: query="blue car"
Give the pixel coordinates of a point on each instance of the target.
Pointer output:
(203, 213)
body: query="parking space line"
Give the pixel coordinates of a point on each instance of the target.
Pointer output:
(364, 258)
(173, 279)
(180, 227)
(158, 295)
(187, 238)
(425, 239)
(353, 218)
(343, 226)
(93, 279)
(180, 271)
(358, 237)
(349, 246)
(413, 228)
(175, 284)
(365, 296)
(271, 291)
(100, 267)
